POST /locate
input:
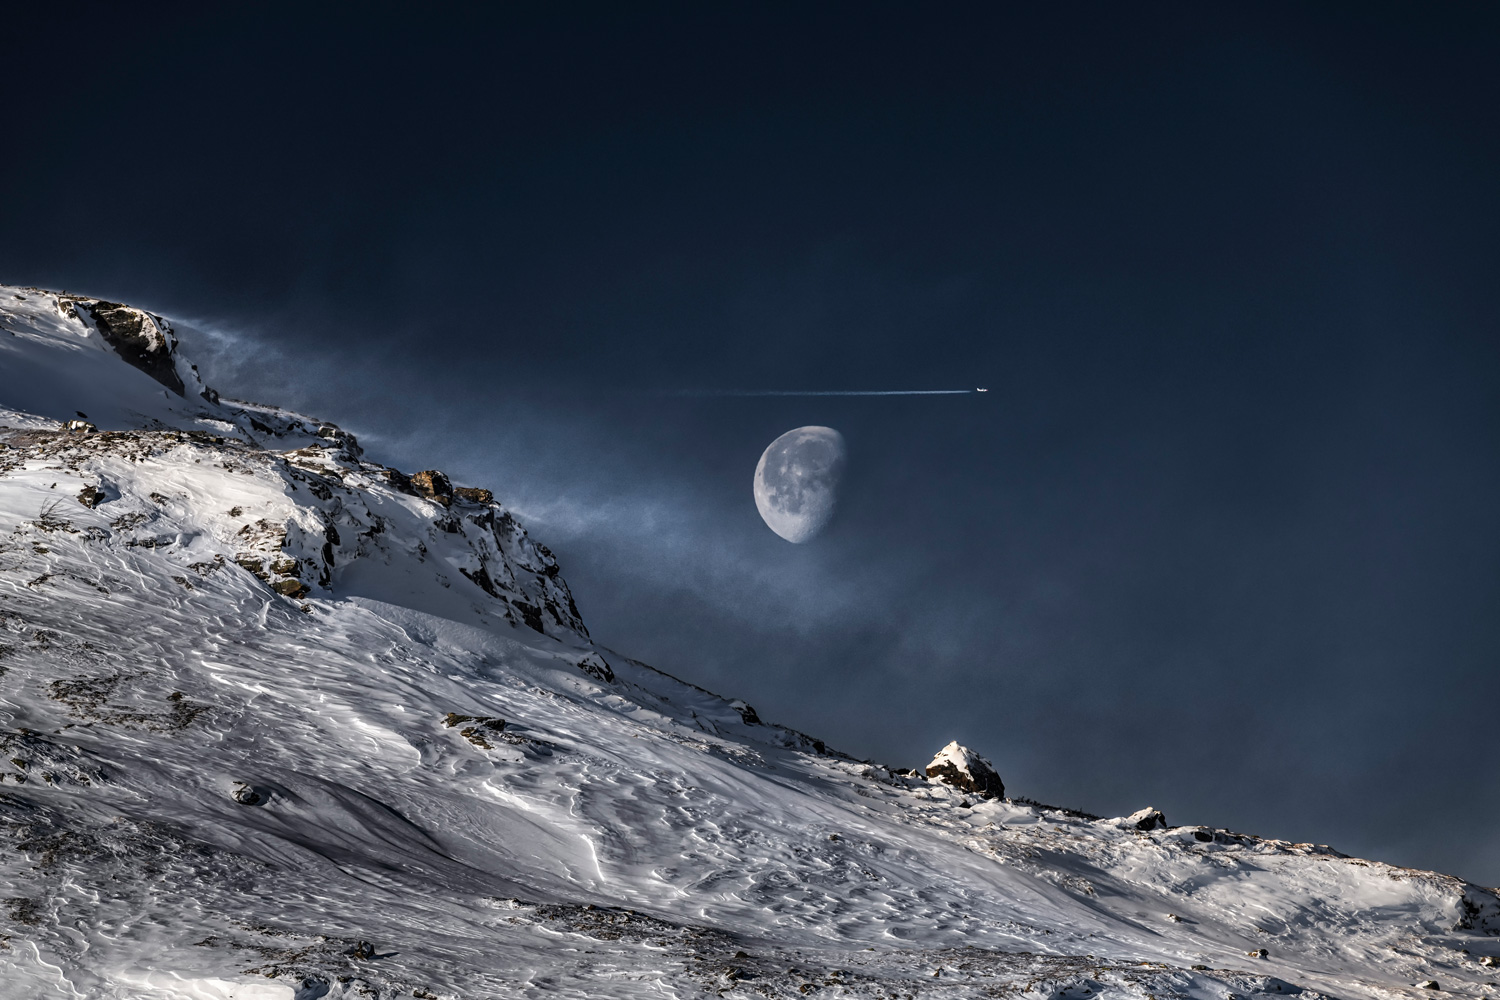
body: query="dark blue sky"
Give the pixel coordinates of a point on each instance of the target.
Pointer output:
(1222, 537)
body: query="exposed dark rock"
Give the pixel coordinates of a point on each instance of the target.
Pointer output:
(595, 666)
(454, 719)
(248, 795)
(54, 762)
(254, 565)
(481, 576)
(25, 911)
(1147, 819)
(138, 339)
(110, 699)
(280, 573)
(80, 427)
(967, 771)
(433, 485)
(746, 713)
(483, 726)
(345, 443)
(292, 588)
(473, 494)
(91, 496)
(530, 614)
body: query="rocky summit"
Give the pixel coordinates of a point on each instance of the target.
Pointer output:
(280, 721)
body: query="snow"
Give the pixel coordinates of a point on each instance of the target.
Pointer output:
(625, 834)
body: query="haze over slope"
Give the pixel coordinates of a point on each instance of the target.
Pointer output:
(281, 721)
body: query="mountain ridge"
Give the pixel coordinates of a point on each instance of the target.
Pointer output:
(284, 722)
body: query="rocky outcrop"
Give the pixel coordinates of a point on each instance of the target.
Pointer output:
(597, 667)
(265, 558)
(472, 494)
(967, 771)
(476, 728)
(433, 485)
(1146, 819)
(143, 340)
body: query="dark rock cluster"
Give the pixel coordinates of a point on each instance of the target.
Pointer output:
(476, 728)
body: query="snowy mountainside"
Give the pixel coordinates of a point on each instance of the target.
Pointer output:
(281, 722)
(62, 355)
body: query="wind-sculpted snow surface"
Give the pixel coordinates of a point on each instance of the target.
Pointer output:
(279, 722)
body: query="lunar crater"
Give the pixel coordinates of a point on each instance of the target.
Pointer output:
(797, 480)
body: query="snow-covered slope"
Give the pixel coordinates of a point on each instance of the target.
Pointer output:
(280, 722)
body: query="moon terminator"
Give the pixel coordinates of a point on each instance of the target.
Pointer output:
(797, 479)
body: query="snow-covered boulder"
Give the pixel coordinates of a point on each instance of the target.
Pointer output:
(1146, 819)
(967, 771)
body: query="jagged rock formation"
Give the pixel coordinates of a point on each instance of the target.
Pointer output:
(142, 339)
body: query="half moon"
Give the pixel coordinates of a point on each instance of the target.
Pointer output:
(797, 480)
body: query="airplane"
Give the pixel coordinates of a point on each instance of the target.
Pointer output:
(981, 390)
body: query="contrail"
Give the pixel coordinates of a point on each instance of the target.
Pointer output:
(828, 392)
